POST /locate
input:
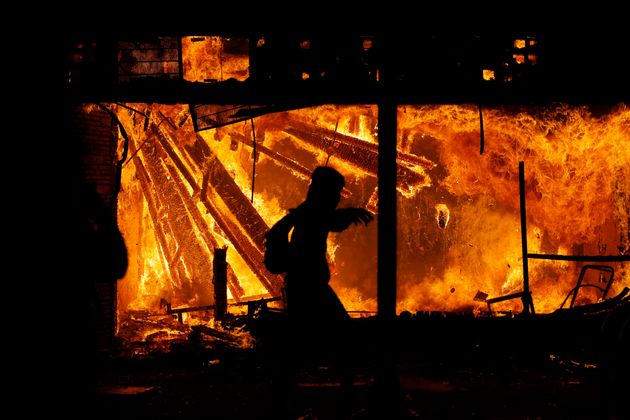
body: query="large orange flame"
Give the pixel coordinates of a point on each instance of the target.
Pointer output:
(576, 170)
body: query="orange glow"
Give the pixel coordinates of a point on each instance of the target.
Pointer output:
(488, 74)
(519, 58)
(207, 59)
(185, 193)
(519, 43)
(175, 239)
(576, 170)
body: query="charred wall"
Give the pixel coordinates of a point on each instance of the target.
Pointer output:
(96, 134)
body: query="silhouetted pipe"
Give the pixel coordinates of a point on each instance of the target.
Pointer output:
(219, 281)
(527, 297)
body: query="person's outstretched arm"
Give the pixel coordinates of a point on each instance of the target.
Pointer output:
(343, 218)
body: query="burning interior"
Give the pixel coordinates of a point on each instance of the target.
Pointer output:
(196, 178)
(185, 193)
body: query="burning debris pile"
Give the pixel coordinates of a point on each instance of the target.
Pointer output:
(186, 193)
(143, 333)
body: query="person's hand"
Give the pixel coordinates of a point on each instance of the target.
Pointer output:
(361, 216)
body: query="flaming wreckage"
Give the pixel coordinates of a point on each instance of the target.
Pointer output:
(503, 215)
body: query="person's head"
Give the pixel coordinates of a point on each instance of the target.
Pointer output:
(325, 188)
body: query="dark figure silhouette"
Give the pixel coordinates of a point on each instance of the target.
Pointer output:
(309, 297)
(100, 257)
(318, 321)
(104, 246)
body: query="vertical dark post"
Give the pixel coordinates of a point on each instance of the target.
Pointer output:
(386, 277)
(527, 300)
(388, 399)
(219, 280)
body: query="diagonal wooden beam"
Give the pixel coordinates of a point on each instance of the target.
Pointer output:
(247, 235)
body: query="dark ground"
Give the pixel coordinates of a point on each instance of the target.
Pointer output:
(447, 368)
(235, 389)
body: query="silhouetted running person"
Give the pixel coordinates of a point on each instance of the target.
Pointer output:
(309, 297)
(318, 321)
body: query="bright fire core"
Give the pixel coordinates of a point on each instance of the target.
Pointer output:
(185, 193)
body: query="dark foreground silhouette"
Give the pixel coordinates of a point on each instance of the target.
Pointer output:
(317, 328)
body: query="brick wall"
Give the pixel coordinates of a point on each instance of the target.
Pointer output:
(97, 135)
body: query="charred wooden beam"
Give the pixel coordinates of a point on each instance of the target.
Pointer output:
(234, 286)
(168, 185)
(232, 280)
(288, 163)
(252, 303)
(176, 256)
(253, 300)
(170, 151)
(246, 236)
(210, 116)
(331, 136)
(238, 203)
(220, 179)
(363, 158)
(170, 310)
(252, 255)
(299, 170)
(168, 120)
(219, 282)
(161, 231)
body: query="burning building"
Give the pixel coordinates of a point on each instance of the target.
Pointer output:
(203, 141)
